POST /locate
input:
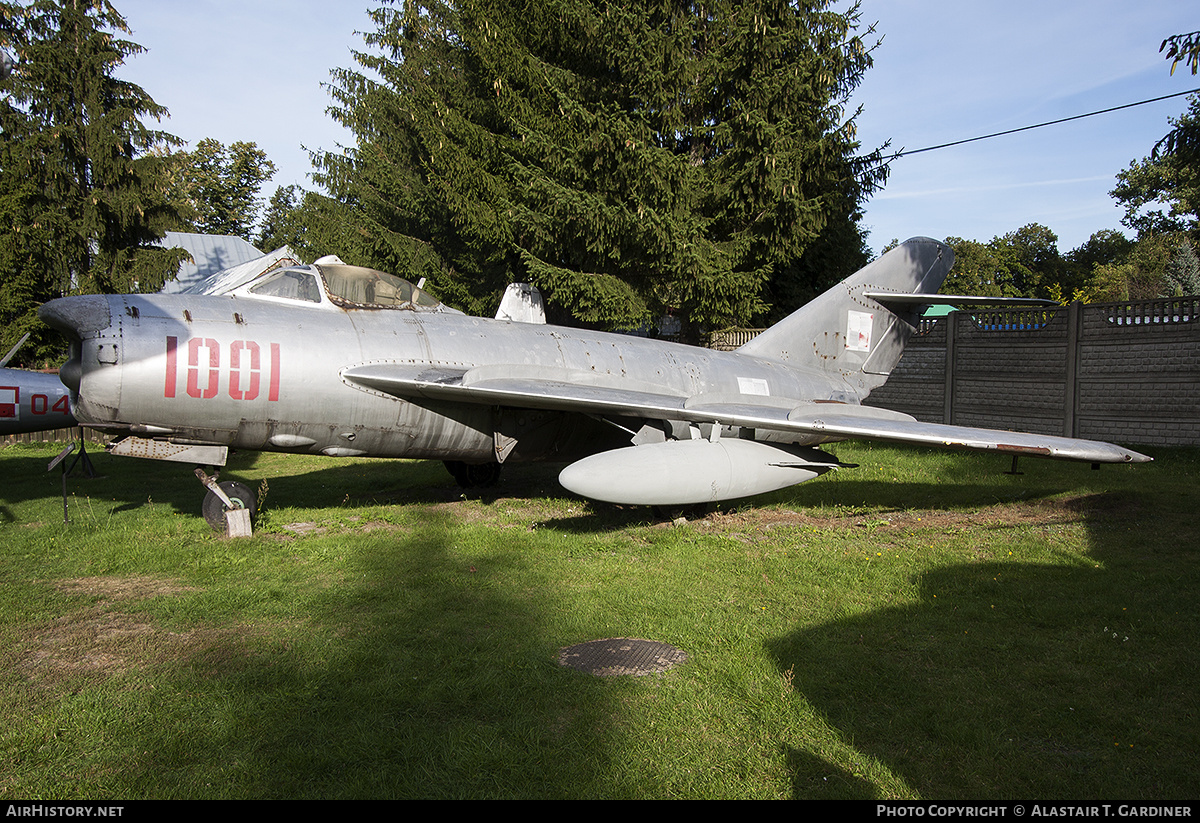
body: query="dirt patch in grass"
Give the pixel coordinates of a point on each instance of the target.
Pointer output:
(121, 588)
(303, 528)
(101, 640)
(511, 512)
(1041, 512)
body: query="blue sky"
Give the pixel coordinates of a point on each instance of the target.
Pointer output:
(945, 71)
(954, 70)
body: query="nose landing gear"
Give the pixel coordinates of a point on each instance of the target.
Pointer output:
(229, 506)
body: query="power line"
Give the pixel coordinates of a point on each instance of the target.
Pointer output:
(1039, 125)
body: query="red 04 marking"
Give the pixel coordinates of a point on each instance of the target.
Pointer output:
(205, 367)
(39, 404)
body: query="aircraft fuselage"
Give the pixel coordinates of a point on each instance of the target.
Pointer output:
(257, 375)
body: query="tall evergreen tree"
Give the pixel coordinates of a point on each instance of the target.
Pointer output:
(218, 187)
(1181, 275)
(280, 223)
(82, 194)
(629, 159)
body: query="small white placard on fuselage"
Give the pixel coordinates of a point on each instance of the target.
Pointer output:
(858, 330)
(753, 385)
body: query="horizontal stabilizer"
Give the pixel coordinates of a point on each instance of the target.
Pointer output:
(958, 301)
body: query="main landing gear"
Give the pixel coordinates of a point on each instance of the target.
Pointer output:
(473, 475)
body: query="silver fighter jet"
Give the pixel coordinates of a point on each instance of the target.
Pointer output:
(340, 360)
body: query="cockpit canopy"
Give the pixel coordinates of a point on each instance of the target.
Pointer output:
(366, 288)
(328, 283)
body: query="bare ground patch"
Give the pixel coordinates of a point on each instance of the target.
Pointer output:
(1041, 512)
(101, 640)
(515, 512)
(121, 588)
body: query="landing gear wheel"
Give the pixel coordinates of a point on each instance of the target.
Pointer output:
(473, 475)
(458, 470)
(238, 493)
(483, 474)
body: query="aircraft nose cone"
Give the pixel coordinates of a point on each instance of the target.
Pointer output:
(79, 316)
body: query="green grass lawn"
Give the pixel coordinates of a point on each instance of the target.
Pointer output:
(923, 626)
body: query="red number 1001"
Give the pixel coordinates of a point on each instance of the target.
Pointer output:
(205, 369)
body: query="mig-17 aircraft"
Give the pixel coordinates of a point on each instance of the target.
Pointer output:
(347, 361)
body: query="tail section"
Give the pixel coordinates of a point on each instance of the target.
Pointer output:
(849, 329)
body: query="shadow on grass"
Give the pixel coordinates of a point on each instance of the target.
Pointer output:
(1021, 680)
(429, 671)
(129, 483)
(421, 674)
(325, 482)
(302, 481)
(425, 666)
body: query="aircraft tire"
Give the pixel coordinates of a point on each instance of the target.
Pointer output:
(238, 493)
(458, 470)
(483, 474)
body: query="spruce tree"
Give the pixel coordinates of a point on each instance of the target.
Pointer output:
(279, 224)
(1182, 273)
(218, 187)
(629, 159)
(82, 189)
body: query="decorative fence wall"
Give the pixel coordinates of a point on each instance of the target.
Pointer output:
(1126, 372)
(56, 436)
(730, 339)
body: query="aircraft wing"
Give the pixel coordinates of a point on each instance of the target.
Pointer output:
(550, 389)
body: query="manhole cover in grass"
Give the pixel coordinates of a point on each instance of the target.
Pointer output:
(621, 655)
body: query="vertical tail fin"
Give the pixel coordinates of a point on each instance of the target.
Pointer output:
(844, 331)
